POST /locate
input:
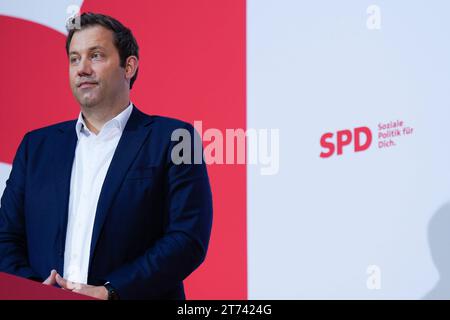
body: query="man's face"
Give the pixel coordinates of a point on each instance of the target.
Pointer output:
(96, 76)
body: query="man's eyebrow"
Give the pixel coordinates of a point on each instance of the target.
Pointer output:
(95, 48)
(90, 49)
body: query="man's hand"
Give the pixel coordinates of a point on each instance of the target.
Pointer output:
(99, 292)
(51, 280)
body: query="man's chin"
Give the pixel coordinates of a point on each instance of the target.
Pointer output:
(87, 102)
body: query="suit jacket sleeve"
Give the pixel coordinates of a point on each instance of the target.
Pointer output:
(183, 247)
(13, 244)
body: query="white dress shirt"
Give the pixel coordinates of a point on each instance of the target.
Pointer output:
(93, 156)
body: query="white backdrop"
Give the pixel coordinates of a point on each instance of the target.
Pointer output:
(316, 227)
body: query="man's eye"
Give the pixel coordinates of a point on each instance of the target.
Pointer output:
(96, 55)
(73, 59)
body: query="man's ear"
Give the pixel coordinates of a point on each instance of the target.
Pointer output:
(131, 65)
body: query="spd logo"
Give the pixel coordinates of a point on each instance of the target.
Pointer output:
(356, 140)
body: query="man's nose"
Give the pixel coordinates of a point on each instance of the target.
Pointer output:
(84, 67)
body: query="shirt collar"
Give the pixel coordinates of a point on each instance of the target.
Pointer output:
(118, 121)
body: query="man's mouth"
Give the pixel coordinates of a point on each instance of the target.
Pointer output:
(87, 84)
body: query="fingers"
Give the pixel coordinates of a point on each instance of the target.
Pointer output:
(99, 292)
(67, 285)
(51, 280)
(74, 285)
(61, 282)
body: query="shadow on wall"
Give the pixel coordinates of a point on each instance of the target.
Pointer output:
(439, 241)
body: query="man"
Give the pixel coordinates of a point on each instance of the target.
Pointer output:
(98, 205)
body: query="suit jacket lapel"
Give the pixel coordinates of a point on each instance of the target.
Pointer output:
(133, 136)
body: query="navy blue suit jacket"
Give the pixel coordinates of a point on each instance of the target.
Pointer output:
(153, 219)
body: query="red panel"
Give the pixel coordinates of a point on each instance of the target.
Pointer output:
(192, 67)
(35, 89)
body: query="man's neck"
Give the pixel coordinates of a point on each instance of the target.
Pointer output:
(96, 117)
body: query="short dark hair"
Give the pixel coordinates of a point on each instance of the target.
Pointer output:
(124, 40)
